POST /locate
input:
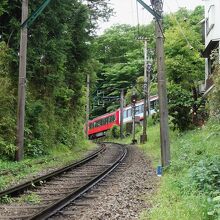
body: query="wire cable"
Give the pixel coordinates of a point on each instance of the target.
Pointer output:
(179, 26)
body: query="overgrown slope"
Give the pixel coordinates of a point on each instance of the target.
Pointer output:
(58, 57)
(190, 187)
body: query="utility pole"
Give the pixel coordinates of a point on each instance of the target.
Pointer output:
(21, 85)
(162, 91)
(148, 87)
(144, 135)
(87, 104)
(133, 101)
(121, 113)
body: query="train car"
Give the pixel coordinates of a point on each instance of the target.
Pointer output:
(98, 126)
(139, 109)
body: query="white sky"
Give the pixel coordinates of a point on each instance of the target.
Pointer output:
(126, 11)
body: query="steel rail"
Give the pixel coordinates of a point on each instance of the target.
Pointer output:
(37, 181)
(60, 204)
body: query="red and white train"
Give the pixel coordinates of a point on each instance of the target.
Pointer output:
(98, 126)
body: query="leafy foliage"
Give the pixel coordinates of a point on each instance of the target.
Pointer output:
(185, 67)
(189, 188)
(214, 97)
(115, 131)
(180, 103)
(206, 175)
(58, 59)
(121, 55)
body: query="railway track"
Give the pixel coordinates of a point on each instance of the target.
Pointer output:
(57, 190)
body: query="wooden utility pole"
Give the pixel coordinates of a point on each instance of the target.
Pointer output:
(121, 113)
(144, 135)
(133, 103)
(162, 91)
(87, 104)
(148, 87)
(21, 85)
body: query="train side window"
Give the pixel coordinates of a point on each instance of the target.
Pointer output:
(137, 110)
(91, 125)
(112, 118)
(152, 104)
(129, 112)
(142, 108)
(125, 114)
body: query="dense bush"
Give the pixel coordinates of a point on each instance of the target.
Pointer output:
(58, 58)
(115, 131)
(7, 106)
(206, 175)
(214, 97)
(180, 105)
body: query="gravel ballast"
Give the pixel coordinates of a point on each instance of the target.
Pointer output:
(125, 194)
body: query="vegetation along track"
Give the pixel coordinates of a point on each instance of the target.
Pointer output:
(49, 197)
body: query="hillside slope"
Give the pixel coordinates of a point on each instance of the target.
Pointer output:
(190, 187)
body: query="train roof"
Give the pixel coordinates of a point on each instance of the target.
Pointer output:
(152, 98)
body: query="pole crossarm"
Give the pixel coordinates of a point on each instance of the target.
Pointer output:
(28, 22)
(155, 14)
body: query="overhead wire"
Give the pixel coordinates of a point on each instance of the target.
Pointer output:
(161, 29)
(179, 26)
(155, 19)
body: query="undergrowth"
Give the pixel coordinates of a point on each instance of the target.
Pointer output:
(190, 187)
(13, 172)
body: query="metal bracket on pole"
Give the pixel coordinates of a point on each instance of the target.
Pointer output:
(35, 14)
(154, 13)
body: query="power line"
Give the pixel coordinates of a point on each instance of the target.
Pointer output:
(179, 26)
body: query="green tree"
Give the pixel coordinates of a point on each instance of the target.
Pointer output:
(184, 66)
(7, 101)
(59, 54)
(214, 96)
(121, 55)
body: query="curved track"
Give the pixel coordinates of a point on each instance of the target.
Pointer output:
(58, 192)
(15, 190)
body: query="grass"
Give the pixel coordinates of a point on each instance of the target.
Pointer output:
(14, 172)
(31, 198)
(190, 186)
